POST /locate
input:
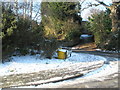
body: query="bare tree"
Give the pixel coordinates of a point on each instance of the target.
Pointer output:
(16, 8)
(115, 12)
(24, 8)
(31, 8)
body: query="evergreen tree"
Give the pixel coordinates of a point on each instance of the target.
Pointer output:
(17, 34)
(60, 19)
(100, 25)
(8, 26)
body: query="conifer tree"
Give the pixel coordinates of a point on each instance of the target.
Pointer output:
(60, 19)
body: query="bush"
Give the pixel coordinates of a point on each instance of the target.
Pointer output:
(113, 43)
(49, 47)
(100, 25)
(73, 34)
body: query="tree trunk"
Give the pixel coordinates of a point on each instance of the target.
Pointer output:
(16, 8)
(115, 12)
(25, 8)
(31, 8)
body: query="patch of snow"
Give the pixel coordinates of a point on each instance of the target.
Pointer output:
(98, 49)
(111, 51)
(29, 64)
(73, 48)
(107, 51)
(62, 50)
(85, 36)
(101, 73)
(81, 57)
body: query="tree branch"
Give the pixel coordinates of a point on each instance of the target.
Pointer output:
(90, 5)
(102, 3)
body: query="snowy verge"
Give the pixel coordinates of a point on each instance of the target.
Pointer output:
(75, 70)
(77, 62)
(98, 75)
(29, 64)
(108, 51)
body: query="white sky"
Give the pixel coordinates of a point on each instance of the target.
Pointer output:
(86, 12)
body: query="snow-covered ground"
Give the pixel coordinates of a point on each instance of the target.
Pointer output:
(107, 51)
(29, 64)
(99, 74)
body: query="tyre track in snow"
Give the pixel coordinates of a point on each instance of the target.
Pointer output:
(103, 81)
(110, 80)
(48, 76)
(86, 81)
(66, 76)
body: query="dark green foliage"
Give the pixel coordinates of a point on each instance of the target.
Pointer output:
(8, 26)
(113, 42)
(100, 25)
(26, 38)
(60, 22)
(118, 45)
(73, 34)
(28, 34)
(49, 47)
(21, 36)
(60, 19)
(18, 34)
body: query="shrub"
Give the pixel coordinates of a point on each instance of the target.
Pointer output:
(100, 25)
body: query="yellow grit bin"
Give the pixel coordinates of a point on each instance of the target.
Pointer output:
(62, 53)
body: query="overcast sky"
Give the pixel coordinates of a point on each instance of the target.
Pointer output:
(86, 13)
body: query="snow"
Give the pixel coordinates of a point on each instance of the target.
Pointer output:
(29, 64)
(105, 70)
(107, 51)
(85, 36)
(98, 49)
(62, 50)
(111, 51)
(34, 63)
(99, 74)
(44, 81)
